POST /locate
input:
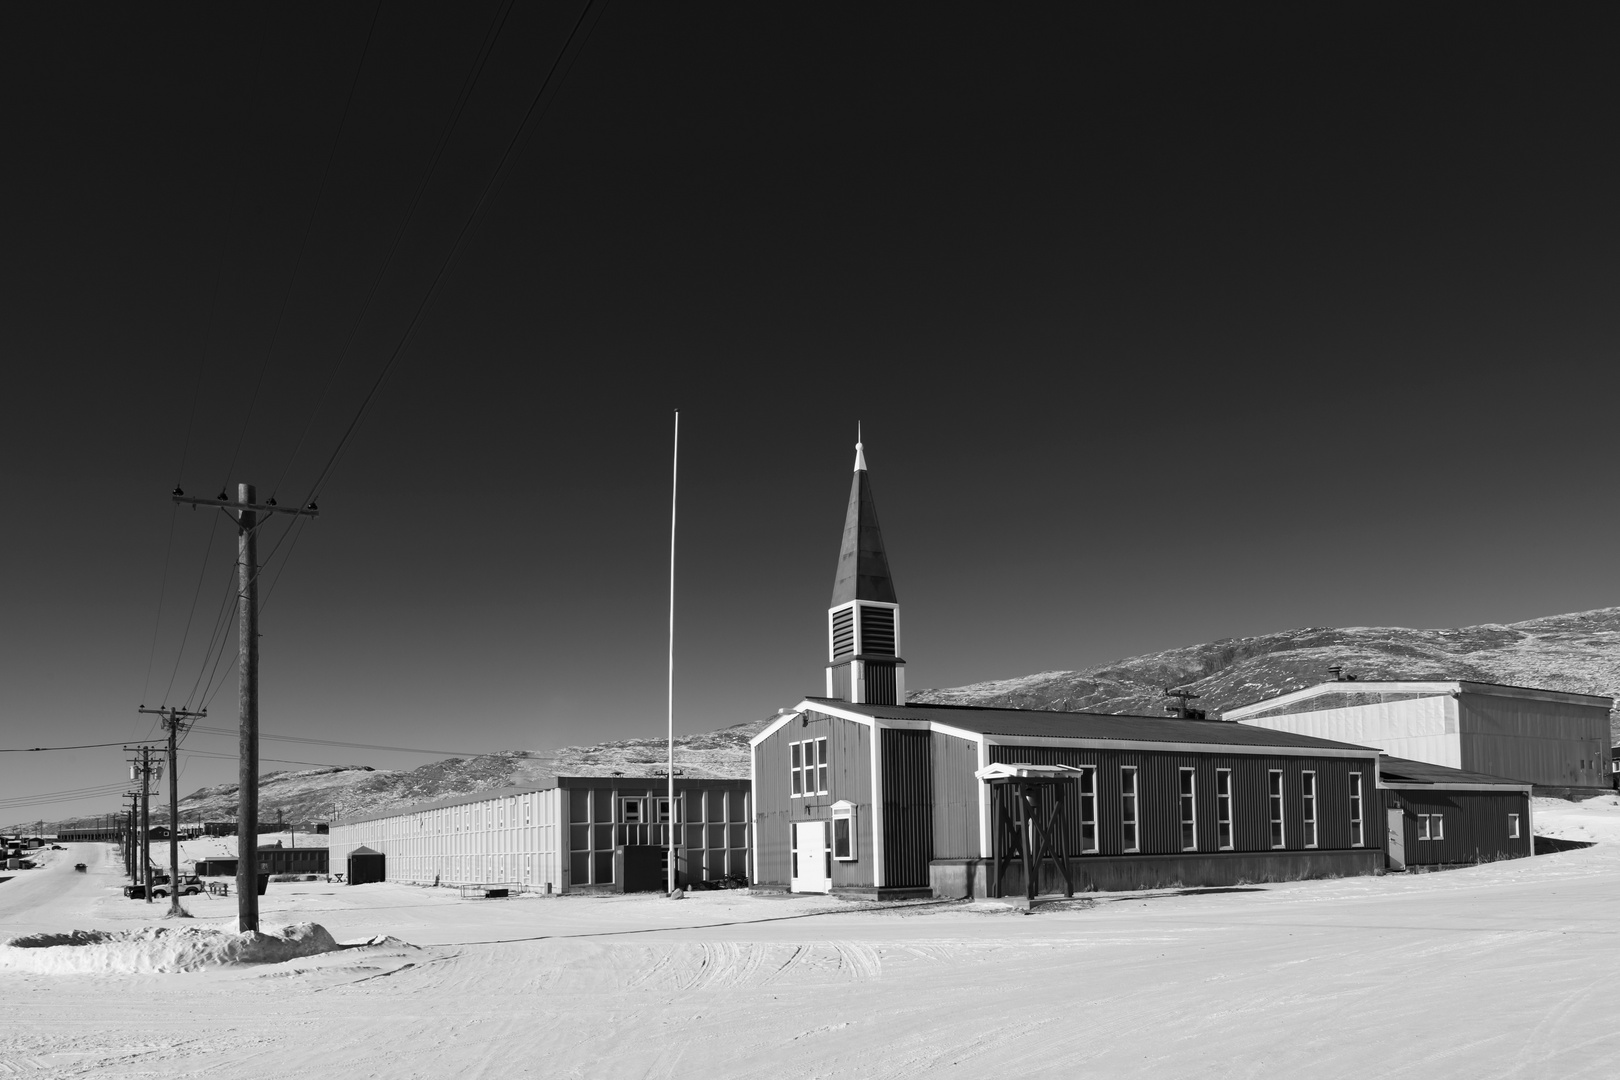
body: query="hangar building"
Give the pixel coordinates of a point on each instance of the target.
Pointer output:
(1548, 738)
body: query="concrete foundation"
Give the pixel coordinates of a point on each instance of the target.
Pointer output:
(971, 878)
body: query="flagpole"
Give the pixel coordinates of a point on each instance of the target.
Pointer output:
(674, 816)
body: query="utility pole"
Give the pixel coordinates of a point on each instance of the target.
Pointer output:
(172, 720)
(144, 838)
(249, 512)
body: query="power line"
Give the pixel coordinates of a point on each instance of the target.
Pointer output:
(461, 238)
(37, 749)
(497, 24)
(303, 245)
(348, 745)
(278, 761)
(208, 552)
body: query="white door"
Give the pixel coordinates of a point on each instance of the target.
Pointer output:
(812, 859)
(1397, 840)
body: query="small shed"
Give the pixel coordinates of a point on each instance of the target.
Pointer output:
(366, 865)
(1449, 817)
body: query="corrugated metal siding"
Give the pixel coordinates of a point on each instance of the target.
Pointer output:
(509, 839)
(908, 801)
(956, 798)
(1476, 825)
(1423, 728)
(1533, 741)
(1159, 791)
(849, 779)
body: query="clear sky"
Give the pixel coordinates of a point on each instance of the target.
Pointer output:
(1163, 327)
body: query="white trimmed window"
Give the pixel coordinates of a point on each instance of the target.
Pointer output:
(632, 810)
(808, 763)
(1189, 811)
(1223, 808)
(1513, 826)
(1358, 836)
(1129, 839)
(1275, 799)
(843, 831)
(1088, 811)
(1307, 787)
(1431, 826)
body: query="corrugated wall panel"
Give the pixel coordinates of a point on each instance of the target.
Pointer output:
(908, 829)
(849, 779)
(1475, 829)
(1159, 797)
(1538, 742)
(956, 798)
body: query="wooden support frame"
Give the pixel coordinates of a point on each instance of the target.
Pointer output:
(1030, 833)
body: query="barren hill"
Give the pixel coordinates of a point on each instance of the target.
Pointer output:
(336, 793)
(1579, 652)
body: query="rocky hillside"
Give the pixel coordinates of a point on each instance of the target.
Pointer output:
(337, 793)
(1579, 652)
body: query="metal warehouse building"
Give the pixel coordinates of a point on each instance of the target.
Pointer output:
(858, 793)
(1548, 738)
(564, 834)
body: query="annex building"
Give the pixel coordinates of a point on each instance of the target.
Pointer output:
(858, 793)
(1548, 738)
(563, 834)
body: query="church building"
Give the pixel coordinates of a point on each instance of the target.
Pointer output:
(858, 793)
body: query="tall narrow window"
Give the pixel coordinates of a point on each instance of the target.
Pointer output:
(1129, 841)
(1357, 836)
(1513, 826)
(821, 766)
(1223, 808)
(1088, 810)
(1276, 808)
(1423, 826)
(1307, 787)
(1189, 812)
(795, 767)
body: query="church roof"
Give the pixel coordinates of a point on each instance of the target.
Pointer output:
(863, 567)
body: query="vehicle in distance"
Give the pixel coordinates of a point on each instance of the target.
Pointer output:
(190, 885)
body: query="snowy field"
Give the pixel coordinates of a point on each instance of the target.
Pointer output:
(1503, 970)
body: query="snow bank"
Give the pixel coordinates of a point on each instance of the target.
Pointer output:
(160, 948)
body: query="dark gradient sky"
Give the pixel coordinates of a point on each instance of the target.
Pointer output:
(1163, 326)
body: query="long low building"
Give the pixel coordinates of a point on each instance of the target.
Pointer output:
(564, 834)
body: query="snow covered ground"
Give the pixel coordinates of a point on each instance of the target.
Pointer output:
(1494, 971)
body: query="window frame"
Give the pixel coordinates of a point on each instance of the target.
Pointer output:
(1423, 826)
(795, 769)
(845, 812)
(1188, 802)
(1224, 833)
(1088, 810)
(1130, 823)
(1358, 825)
(1274, 809)
(639, 802)
(821, 765)
(1307, 802)
(1513, 826)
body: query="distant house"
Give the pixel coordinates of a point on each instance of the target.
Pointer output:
(1550, 738)
(273, 859)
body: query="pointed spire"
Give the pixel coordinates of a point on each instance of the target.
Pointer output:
(863, 566)
(860, 454)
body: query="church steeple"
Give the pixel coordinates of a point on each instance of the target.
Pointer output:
(863, 621)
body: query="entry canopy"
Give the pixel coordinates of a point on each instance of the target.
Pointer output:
(1023, 770)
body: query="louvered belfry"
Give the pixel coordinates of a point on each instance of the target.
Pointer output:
(863, 621)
